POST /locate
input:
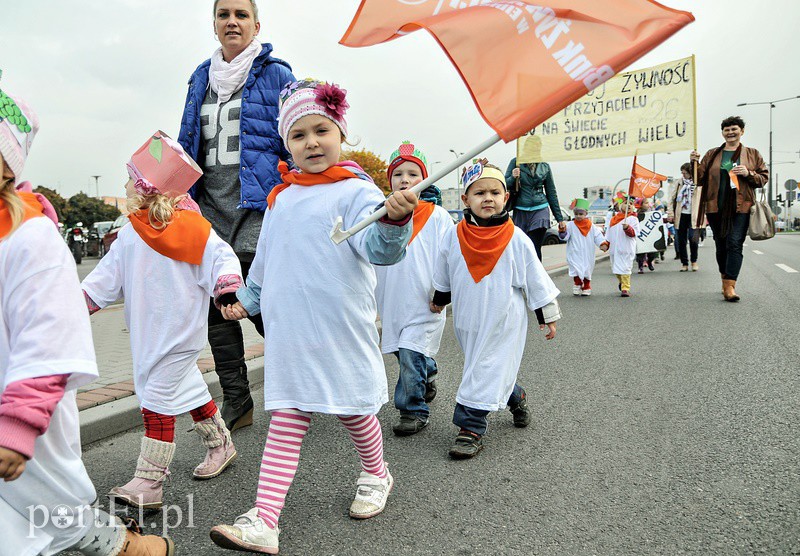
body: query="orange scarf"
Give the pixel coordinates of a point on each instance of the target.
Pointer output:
(184, 239)
(617, 217)
(482, 247)
(583, 225)
(33, 208)
(331, 175)
(422, 213)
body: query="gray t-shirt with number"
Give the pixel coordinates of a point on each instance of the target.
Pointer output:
(220, 192)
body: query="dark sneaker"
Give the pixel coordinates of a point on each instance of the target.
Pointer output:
(521, 413)
(467, 445)
(430, 391)
(409, 424)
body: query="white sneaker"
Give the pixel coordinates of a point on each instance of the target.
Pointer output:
(371, 495)
(586, 292)
(576, 290)
(248, 533)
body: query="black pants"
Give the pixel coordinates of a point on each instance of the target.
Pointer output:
(537, 237)
(729, 248)
(686, 233)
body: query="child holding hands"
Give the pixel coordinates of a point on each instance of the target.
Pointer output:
(318, 305)
(582, 238)
(488, 268)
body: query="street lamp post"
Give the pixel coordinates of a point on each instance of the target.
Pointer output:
(97, 185)
(458, 176)
(772, 104)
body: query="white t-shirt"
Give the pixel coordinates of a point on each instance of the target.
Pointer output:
(581, 249)
(490, 317)
(45, 331)
(321, 350)
(405, 289)
(622, 249)
(166, 309)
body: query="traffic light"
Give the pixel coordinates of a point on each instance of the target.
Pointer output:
(779, 198)
(602, 192)
(585, 192)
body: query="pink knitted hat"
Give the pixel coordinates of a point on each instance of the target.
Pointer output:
(18, 126)
(309, 96)
(162, 166)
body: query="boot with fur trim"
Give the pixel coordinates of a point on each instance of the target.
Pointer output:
(145, 489)
(221, 451)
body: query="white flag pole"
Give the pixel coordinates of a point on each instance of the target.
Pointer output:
(338, 235)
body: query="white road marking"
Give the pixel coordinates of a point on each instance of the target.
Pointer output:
(757, 252)
(788, 269)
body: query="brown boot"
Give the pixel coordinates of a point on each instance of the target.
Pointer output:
(728, 290)
(137, 544)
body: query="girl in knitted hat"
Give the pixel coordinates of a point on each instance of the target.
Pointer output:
(582, 238)
(495, 275)
(317, 300)
(167, 265)
(46, 353)
(410, 330)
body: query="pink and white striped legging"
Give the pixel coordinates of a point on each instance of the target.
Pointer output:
(282, 455)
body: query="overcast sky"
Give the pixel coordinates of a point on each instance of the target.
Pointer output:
(103, 75)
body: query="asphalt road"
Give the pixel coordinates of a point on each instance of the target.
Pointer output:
(666, 423)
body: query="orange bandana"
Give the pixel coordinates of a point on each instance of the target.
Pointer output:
(184, 239)
(617, 217)
(423, 211)
(331, 175)
(583, 225)
(482, 247)
(33, 208)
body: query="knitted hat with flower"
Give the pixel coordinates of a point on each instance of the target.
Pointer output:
(407, 152)
(18, 126)
(310, 96)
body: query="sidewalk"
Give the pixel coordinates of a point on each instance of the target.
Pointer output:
(108, 405)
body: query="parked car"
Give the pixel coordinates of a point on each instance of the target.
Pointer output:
(111, 235)
(456, 215)
(94, 243)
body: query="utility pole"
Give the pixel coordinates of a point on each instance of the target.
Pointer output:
(97, 185)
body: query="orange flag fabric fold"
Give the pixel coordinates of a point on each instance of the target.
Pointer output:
(644, 183)
(184, 239)
(482, 247)
(523, 61)
(422, 213)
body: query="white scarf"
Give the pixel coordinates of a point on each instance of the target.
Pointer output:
(227, 78)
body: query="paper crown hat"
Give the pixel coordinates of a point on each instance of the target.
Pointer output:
(162, 166)
(580, 204)
(407, 152)
(480, 170)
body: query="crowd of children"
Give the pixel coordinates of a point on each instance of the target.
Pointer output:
(319, 303)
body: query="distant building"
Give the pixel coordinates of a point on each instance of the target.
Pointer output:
(451, 199)
(119, 202)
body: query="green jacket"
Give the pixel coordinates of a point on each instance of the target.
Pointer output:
(535, 188)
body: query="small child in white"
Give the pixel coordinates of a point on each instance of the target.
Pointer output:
(621, 235)
(167, 265)
(582, 238)
(489, 268)
(410, 330)
(46, 353)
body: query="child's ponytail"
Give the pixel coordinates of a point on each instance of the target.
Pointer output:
(15, 206)
(160, 208)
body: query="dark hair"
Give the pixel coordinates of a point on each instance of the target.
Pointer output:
(732, 120)
(686, 167)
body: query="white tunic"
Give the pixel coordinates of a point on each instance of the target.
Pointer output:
(580, 250)
(490, 317)
(45, 331)
(404, 292)
(321, 350)
(623, 248)
(166, 310)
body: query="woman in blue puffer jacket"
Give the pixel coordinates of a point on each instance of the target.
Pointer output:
(230, 128)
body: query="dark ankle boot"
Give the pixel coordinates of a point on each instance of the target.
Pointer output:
(227, 346)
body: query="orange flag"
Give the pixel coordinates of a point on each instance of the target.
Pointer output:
(644, 183)
(521, 60)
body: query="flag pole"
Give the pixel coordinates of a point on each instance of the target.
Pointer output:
(338, 235)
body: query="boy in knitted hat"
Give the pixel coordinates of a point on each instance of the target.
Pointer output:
(46, 354)
(410, 330)
(168, 263)
(621, 236)
(582, 237)
(489, 268)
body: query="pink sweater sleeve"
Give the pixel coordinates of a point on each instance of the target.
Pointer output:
(26, 407)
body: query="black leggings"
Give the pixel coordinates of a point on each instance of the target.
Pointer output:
(537, 237)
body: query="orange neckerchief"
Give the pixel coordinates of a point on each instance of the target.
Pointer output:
(331, 175)
(423, 211)
(617, 217)
(482, 247)
(33, 208)
(583, 225)
(184, 239)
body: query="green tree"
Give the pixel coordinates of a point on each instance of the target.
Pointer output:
(372, 164)
(59, 203)
(82, 208)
